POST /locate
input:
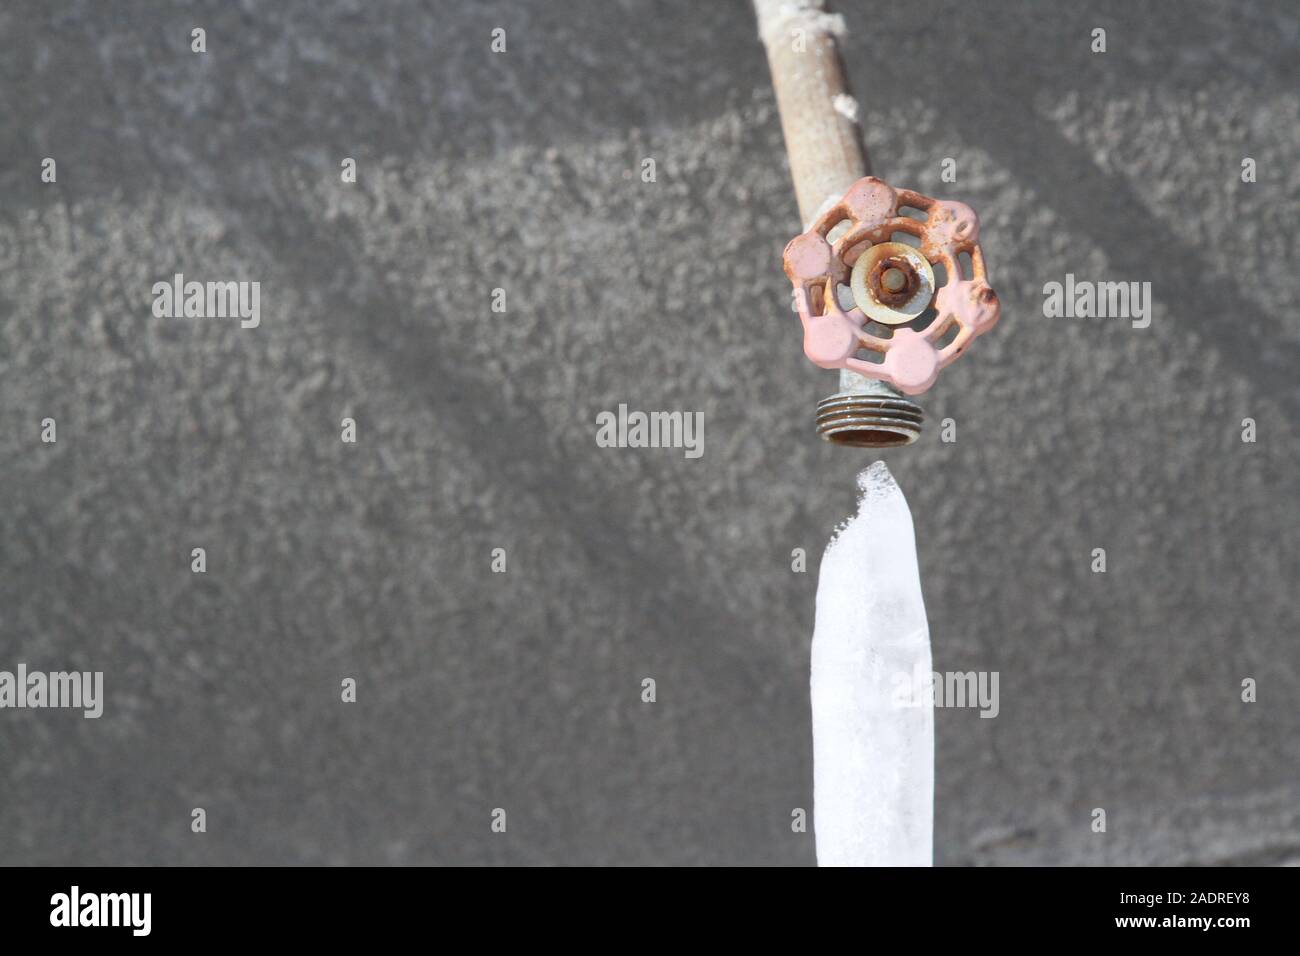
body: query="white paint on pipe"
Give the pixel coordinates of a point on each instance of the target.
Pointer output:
(846, 106)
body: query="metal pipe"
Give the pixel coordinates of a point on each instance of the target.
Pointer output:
(819, 119)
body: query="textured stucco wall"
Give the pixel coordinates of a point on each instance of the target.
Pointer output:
(476, 431)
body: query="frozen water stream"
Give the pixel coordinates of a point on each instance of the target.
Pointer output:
(873, 753)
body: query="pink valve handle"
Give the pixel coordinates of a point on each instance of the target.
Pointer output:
(817, 267)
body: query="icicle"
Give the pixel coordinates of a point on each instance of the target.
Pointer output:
(873, 733)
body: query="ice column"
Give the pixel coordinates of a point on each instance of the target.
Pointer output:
(873, 716)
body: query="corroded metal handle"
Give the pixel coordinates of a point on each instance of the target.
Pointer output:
(892, 284)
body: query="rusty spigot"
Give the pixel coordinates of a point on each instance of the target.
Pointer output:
(905, 321)
(880, 311)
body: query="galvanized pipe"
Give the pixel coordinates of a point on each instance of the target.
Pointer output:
(819, 119)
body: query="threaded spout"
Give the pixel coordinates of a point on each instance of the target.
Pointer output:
(869, 419)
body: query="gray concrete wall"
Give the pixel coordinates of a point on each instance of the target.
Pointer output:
(476, 431)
